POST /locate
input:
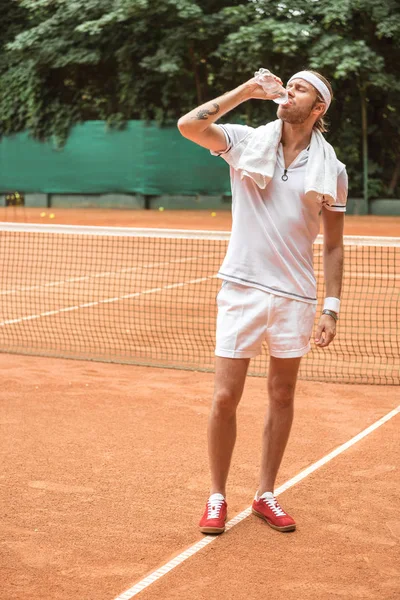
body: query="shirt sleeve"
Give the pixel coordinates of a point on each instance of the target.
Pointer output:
(341, 193)
(234, 134)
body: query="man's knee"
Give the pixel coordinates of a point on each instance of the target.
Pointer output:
(281, 394)
(225, 402)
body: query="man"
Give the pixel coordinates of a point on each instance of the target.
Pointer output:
(284, 175)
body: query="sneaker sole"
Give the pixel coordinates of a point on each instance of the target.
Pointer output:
(214, 530)
(285, 528)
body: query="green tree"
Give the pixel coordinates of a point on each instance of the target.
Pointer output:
(137, 59)
(65, 61)
(360, 47)
(356, 44)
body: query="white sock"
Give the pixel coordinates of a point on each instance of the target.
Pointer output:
(215, 497)
(266, 495)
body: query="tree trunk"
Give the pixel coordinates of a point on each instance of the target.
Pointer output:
(395, 176)
(196, 77)
(364, 126)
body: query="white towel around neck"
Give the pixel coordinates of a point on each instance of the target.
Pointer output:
(255, 156)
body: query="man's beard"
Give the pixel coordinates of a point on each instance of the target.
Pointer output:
(294, 116)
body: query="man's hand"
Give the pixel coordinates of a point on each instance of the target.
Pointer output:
(326, 331)
(255, 91)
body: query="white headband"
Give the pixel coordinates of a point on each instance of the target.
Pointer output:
(317, 83)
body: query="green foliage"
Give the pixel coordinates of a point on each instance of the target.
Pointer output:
(65, 61)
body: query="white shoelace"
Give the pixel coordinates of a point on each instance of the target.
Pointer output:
(214, 508)
(274, 506)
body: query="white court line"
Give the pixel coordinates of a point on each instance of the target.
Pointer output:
(182, 234)
(106, 300)
(208, 539)
(117, 273)
(127, 270)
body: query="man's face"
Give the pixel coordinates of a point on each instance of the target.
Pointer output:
(301, 103)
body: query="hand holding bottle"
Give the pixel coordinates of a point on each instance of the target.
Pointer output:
(271, 85)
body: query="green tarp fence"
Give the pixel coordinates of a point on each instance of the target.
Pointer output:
(143, 158)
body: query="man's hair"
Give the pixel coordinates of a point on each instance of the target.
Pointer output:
(321, 123)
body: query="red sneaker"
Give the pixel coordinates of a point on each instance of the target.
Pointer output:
(266, 507)
(213, 520)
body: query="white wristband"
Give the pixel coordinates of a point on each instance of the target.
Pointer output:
(332, 304)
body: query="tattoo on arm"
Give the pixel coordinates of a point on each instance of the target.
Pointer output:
(203, 114)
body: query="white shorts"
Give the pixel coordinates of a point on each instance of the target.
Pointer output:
(247, 316)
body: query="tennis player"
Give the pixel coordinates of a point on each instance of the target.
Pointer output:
(284, 177)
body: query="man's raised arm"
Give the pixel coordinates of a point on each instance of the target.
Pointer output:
(199, 124)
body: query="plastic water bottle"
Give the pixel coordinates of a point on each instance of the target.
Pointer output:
(270, 86)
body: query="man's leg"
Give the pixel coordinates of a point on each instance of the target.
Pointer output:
(282, 379)
(281, 386)
(230, 376)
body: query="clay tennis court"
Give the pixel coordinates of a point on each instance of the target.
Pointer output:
(105, 475)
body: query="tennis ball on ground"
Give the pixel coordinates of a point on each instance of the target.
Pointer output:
(42, 214)
(161, 208)
(213, 214)
(52, 215)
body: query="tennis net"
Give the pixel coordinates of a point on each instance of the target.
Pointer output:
(147, 297)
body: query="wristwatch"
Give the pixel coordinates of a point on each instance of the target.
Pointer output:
(331, 313)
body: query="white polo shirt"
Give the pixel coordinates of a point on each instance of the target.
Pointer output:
(273, 229)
